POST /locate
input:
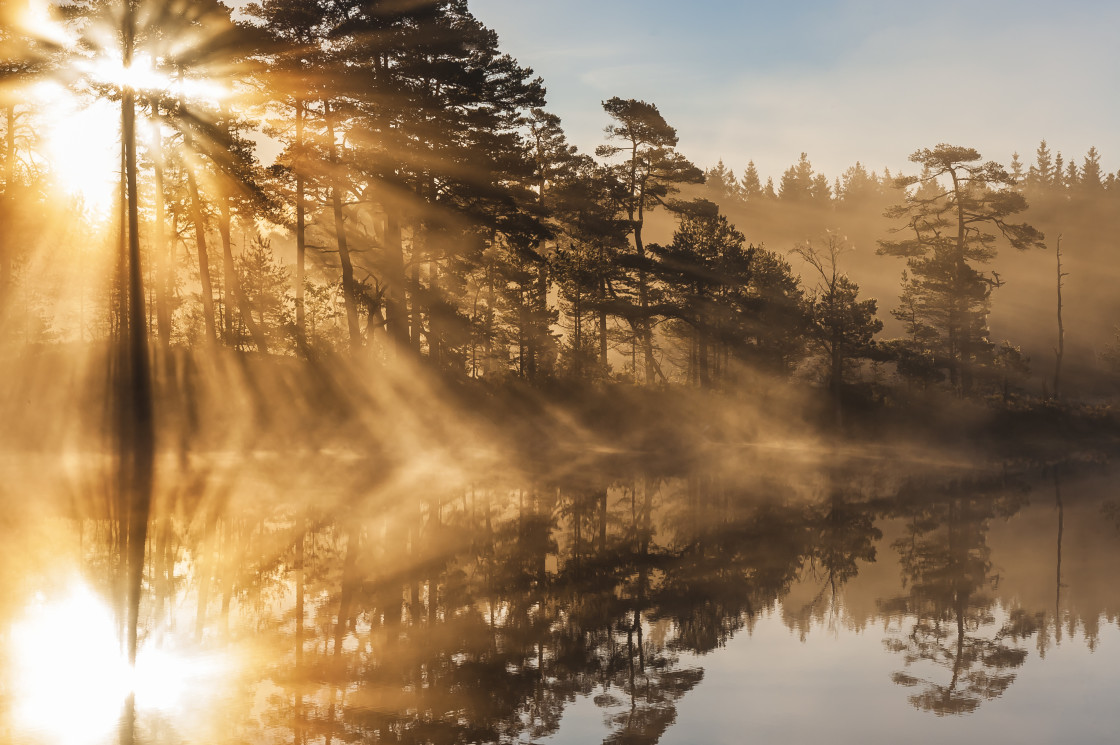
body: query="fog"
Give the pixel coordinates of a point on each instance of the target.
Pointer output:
(345, 400)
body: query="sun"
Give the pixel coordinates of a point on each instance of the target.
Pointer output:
(80, 142)
(76, 104)
(81, 134)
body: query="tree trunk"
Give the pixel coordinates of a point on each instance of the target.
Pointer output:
(159, 240)
(603, 327)
(208, 314)
(540, 319)
(137, 442)
(435, 319)
(397, 316)
(301, 228)
(349, 287)
(233, 284)
(7, 210)
(1059, 353)
(416, 325)
(644, 329)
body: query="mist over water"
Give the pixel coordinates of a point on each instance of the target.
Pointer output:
(310, 596)
(342, 400)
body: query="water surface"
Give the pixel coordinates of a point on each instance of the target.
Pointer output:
(769, 594)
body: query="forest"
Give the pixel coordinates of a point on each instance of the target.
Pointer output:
(377, 184)
(345, 399)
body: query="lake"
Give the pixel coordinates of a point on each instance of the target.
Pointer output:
(788, 593)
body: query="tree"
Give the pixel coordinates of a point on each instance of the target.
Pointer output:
(701, 270)
(553, 161)
(439, 143)
(1040, 176)
(1090, 181)
(797, 181)
(1059, 179)
(856, 187)
(1018, 176)
(952, 218)
(1072, 178)
(24, 55)
(652, 171)
(841, 326)
(730, 301)
(264, 283)
(750, 185)
(293, 26)
(591, 231)
(1060, 349)
(722, 183)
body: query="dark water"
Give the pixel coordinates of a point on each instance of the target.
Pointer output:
(769, 595)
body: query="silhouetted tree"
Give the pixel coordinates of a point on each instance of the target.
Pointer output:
(948, 216)
(842, 326)
(651, 171)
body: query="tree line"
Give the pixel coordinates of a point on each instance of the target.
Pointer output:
(436, 210)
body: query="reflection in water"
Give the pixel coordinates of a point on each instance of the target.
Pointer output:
(54, 659)
(355, 608)
(947, 566)
(66, 650)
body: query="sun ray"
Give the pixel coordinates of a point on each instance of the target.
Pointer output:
(36, 19)
(81, 145)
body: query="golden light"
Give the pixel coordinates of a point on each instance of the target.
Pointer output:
(80, 142)
(66, 652)
(141, 75)
(66, 657)
(36, 20)
(81, 135)
(78, 122)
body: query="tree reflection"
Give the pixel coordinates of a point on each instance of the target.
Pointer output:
(842, 535)
(478, 614)
(366, 609)
(956, 624)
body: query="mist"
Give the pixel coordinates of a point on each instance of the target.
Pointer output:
(345, 399)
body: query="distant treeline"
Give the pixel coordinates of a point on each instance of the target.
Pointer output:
(430, 206)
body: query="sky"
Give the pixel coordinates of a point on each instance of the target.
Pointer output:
(844, 81)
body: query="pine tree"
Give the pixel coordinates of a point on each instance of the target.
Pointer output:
(1091, 172)
(949, 243)
(722, 183)
(1018, 176)
(265, 283)
(731, 301)
(857, 185)
(651, 171)
(592, 232)
(1072, 177)
(750, 185)
(1040, 177)
(797, 183)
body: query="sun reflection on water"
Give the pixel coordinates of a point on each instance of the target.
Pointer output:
(70, 678)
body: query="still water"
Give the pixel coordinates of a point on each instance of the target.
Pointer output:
(767, 595)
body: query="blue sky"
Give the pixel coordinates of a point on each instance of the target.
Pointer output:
(846, 80)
